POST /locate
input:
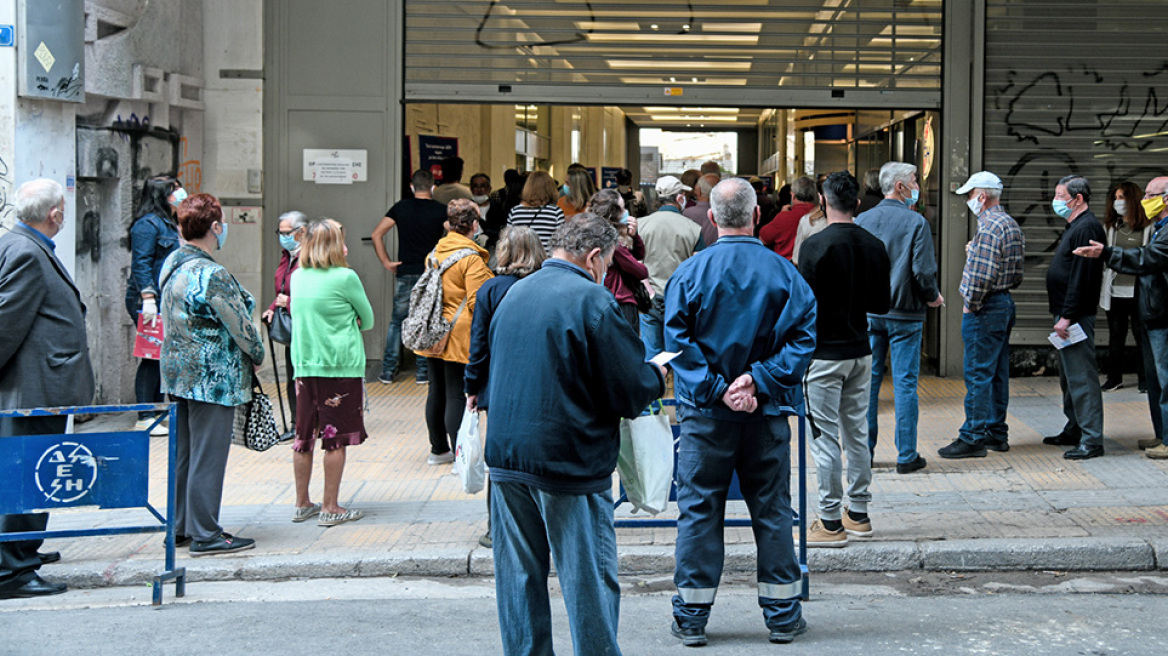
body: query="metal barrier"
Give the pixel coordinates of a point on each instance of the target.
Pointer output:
(109, 471)
(735, 494)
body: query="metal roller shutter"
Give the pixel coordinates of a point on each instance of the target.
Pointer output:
(1071, 87)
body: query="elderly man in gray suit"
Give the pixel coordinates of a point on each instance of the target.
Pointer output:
(44, 358)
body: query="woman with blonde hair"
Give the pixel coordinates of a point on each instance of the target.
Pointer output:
(581, 188)
(460, 285)
(329, 359)
(538, 209)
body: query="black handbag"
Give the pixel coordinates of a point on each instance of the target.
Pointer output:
(640, 293)
(280, 330)
(255, 426)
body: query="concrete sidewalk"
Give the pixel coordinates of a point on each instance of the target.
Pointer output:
(1025, 509)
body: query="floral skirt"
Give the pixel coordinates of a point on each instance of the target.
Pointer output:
(332, 409)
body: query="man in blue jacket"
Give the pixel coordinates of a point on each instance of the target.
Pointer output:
(743, 322)
(565, 368)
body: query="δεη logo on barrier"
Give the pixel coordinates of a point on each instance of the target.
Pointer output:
(66, 472)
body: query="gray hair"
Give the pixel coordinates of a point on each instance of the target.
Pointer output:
(872, 180)
(36, 198)
(707, 182)
(583, 233)
(894, 172)
(733, 201)
(297, 219)
(991, 194)
(804, 189)
(1077, 184)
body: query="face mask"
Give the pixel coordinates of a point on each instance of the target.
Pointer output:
(912, 200)
(1120, 206)
(625, 218)
(221, 238)
(681, 201)
(1153, 206)
(480, 199)
(975, 205)
(288, 243)
(565, 190)
(1060, 208)
(180, 195)
(603, 273)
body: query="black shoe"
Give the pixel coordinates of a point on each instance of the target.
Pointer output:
(1062, 439)
(50, 557)
(782, 636)
(34, 587)
(1084, 453)
(1111, 385)
(961, 449)
(287, 437)
(689, 637)
(225, 543)
(994, 444)
(910, 467)
(485, 541)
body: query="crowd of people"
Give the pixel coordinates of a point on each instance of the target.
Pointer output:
(558, 299)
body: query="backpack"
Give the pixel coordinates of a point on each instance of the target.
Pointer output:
(424, 330)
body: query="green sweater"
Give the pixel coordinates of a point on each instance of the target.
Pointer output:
(326, 306)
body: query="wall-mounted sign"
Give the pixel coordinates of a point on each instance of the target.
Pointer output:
(7, 36)
(324, 166)
(432, 150)
(674, 91)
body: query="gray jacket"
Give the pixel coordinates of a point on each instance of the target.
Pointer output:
(909, 241)
(44, 355)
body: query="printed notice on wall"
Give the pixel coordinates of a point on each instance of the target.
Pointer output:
(335, 166)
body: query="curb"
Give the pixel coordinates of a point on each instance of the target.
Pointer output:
(985, 555)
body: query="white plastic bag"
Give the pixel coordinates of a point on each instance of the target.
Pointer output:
(468, 456)
(645, 463)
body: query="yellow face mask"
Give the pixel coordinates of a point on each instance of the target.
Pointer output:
(1153, 206)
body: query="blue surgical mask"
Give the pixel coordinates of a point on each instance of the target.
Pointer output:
(180, 195)
(565, 189)
(288, 243)
(1060, 208)
(912, 200)
(221, 238)
(625, 218)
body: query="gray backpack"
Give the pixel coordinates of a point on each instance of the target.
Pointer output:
(424, 330)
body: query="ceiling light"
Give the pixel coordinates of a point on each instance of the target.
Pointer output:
(674, 39)
(653, 26)
(649, 64)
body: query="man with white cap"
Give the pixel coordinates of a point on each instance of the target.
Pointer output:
(670, 238)
(993, 266)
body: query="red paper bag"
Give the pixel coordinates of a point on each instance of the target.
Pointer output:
(148, 342)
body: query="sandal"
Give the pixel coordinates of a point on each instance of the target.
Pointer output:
(336, 519)
(302, 514)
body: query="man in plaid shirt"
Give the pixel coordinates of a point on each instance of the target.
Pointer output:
(993, 267)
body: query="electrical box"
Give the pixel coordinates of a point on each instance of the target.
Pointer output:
(51, 49)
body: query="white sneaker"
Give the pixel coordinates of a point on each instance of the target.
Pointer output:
(440, 458)
(158, 431)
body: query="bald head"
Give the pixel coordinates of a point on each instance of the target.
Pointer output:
(733, 204)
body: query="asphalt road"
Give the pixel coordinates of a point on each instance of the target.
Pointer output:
(877, 614)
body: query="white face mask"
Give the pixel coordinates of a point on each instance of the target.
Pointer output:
(1120, 206)
(481, 200)
(681, 201)
(976, 205)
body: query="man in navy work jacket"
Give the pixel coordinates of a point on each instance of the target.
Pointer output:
(743, 321)
(565, 368)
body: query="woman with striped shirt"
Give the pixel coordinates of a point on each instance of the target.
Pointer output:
(538, 209)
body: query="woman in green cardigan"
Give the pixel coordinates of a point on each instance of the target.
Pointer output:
(329, 359)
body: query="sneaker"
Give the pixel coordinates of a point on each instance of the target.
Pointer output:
(421, 381)
(160, 430)
(440, 458)
(336, 519)
(858, 529)
(1149, 443)
(689, 637)
(305, 513)
(962, 449)
(225, 543)
(386, 380)
(1085, 453)
(784, 635)
(819, 536)
(910, 467)
(1062, 439)
(994, 444)
(1112, 385)
(1157, 452)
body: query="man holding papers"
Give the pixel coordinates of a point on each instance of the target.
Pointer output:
(1072, 286)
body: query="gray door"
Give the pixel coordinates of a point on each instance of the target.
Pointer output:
(331, 83)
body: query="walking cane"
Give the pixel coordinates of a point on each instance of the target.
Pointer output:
(279, 391)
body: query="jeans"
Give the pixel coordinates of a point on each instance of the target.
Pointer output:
(986, 334)
(445, 403)
(528, 526)
(653, 327)
(1079, 379)
(148, 385)
(902, 339)
(1156, 355)
(709, 454)
(837, 403)
(1123, 313)
(393, 346)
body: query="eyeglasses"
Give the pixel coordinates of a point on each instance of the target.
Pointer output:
(285, 233)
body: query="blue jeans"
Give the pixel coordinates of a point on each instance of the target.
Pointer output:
(528, 525)
(901, 338)
(986, 334)
(1156, 373)
(393, 346)
(709, 454)
(1079, 379)
(653, 327)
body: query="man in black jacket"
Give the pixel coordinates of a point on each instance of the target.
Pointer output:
(1072, 287)
(1150, 264)
(565, 368)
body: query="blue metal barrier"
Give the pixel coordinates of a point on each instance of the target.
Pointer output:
(108, 470)
(735, 494)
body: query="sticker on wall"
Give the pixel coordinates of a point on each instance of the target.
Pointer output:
(7, 36)
(247, 215)
(44, 56)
